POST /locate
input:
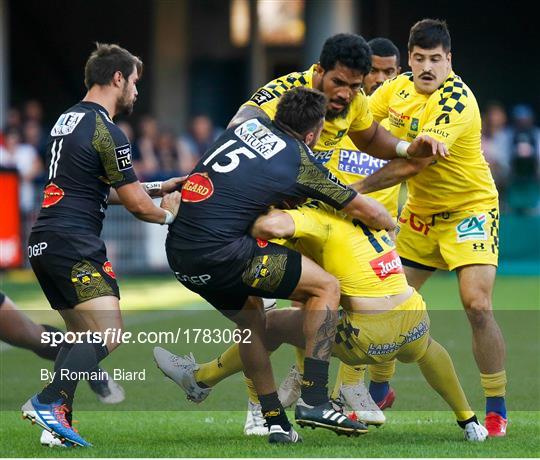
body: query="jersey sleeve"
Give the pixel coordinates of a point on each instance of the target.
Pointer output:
(315, 181)
(379, 101)
(267, 97)
(450, 116)
(363, 117)
(114, 152)
(265, 100)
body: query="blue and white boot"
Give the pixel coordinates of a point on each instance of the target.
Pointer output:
(52, 417)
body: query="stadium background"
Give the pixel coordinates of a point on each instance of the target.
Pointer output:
(201, 60)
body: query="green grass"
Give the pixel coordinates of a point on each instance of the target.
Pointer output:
(219, 434)
(156, 421)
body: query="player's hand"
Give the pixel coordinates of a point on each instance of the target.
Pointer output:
(171, 202)
(173, 184)
(424, 146)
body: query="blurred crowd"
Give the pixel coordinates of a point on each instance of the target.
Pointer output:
(510, 140)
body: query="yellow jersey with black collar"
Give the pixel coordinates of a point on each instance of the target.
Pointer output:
(451, 115)
(357, 118)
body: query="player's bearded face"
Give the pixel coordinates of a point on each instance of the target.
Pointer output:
(340, 85)
(429, 67)
(124, 104)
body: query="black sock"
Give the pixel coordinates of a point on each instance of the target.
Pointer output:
(315, 381)
(465, 422)
(82, 357)
(47, 351)
(273, 411)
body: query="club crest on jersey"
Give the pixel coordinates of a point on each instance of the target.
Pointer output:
(260, 138)
(123, 157)
(359, 163)
(107, 268)
(472, 228)
(66, 124)
(386, 265)
(198, 187)
(51, 195)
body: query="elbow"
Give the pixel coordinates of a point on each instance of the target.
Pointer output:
(269, 227)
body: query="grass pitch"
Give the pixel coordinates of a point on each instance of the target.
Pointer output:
(156, 421)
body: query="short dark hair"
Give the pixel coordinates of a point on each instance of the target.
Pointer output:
(301, 109)
(105, 61)
(350, 50)
(384, 47)
(430, 33)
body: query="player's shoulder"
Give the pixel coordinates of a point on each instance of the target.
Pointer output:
(77, 118)
(455, 96)
(265, 137)
(276, 88)
(401, 85)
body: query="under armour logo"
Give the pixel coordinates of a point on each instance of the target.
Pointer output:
(403, 94)
(479, 246)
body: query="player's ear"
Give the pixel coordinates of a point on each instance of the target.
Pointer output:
(319, 69)
(117, 78)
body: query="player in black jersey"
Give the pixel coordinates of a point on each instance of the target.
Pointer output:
(87, 154)
(251, 167)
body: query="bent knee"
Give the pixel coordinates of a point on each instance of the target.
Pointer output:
(331, 288)
(479, 315)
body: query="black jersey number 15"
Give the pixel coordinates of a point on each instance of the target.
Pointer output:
(233, 155)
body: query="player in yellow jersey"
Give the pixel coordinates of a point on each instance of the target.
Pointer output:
(450, 221)
(349, 164)
(382, 317)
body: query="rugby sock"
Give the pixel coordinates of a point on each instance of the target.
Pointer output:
(348, 375)
(438, 369)
(47, 351)
(496, 404)
(494, 386)
(82, 357)
(315, 381)
(378, 390)
(226, 364)
(252, 393)
(273, 411)
(464, 423)
(300, 354)
(380, 375)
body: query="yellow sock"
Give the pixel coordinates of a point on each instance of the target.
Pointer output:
(438, 369)
(252, 393)
(228, 363)
(494, 384)
(348, 375)
(300, 355)
(382, 372)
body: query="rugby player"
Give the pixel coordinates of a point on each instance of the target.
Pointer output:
(353, 164)
(383, 318)
(450, 221)
(18, 330)
(344, 62)
(87, 154)
(252, 166)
